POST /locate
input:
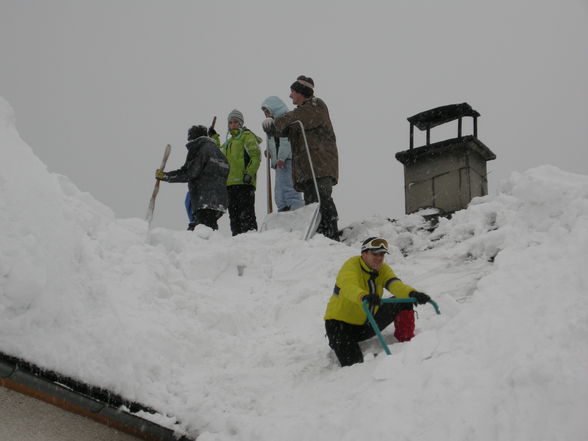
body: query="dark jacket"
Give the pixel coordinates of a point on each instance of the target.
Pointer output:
(205, 170)
(314, 114)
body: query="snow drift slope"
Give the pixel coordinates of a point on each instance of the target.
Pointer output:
(167, 320)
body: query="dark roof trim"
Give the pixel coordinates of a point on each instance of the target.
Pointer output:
(98, 404)
(441, 115)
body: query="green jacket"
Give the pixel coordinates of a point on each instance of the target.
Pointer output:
(355, 280)
(242, 152)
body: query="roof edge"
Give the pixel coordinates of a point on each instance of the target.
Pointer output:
(27, 378)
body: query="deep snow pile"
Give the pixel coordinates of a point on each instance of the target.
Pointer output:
(166, 320)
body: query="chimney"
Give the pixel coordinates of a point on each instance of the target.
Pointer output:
(445, 175)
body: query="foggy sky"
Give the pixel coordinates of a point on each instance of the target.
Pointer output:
(100, 87)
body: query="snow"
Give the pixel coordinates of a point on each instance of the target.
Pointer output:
(165, 319)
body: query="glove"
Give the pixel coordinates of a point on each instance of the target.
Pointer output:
(268, 126)
(420, 297)
(247, 179)
(211, 131)
(372, 300)
(160, 175)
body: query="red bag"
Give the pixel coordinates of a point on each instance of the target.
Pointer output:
(404, 325)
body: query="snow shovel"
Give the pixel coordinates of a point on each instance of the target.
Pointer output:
(149, 216)
(269, 177)
(306, 219)
(374, 325)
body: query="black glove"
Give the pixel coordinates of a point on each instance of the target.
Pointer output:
(420, 297)
(372, 300)
(211, 131)
(247, 179)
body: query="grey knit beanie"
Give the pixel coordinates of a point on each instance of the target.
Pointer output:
(236, 115)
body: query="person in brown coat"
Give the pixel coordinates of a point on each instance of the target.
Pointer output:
(313, 113)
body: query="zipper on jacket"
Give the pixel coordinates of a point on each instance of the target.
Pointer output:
(372, 282)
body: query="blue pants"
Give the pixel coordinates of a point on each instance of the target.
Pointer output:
(188, 204)
(286, 197)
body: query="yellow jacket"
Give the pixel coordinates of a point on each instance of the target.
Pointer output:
(355, 280)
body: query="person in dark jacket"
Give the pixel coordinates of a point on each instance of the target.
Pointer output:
(313, 113)
(205, 170)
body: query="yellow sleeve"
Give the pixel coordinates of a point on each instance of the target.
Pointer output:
(393, 284)
(216, 139)
(350, 282)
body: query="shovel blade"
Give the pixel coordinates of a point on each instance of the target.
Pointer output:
(304, 221)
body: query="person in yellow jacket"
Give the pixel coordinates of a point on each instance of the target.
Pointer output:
(242, 151)
(362, 278)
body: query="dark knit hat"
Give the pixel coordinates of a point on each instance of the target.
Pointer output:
(236, 115)
(304, 86)
(196, 132)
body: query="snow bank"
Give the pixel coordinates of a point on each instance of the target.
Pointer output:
(165, 319)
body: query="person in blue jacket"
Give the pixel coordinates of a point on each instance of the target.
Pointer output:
(280, 153)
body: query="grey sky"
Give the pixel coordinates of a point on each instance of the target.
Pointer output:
(99, 87)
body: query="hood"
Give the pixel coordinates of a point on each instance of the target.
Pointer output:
(199, 142)
(275, 105)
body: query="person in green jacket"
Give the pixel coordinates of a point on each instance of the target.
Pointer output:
(362, 278)
(242, 151)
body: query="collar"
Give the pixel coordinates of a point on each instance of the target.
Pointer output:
(367, 269)
(306, 100)
(193, 142)
(236, 133)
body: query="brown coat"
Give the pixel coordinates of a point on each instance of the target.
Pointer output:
(314, 115)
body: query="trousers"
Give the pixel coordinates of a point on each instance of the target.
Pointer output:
(205, 216)
(344, 338)
(286, 197)
(329, 216)
(242, 208)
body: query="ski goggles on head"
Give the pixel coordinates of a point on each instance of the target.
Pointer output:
(375, 245)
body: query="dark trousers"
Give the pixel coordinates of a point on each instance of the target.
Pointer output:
(242, 208)
(329, 216)
(344, 338)
(205, 216)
